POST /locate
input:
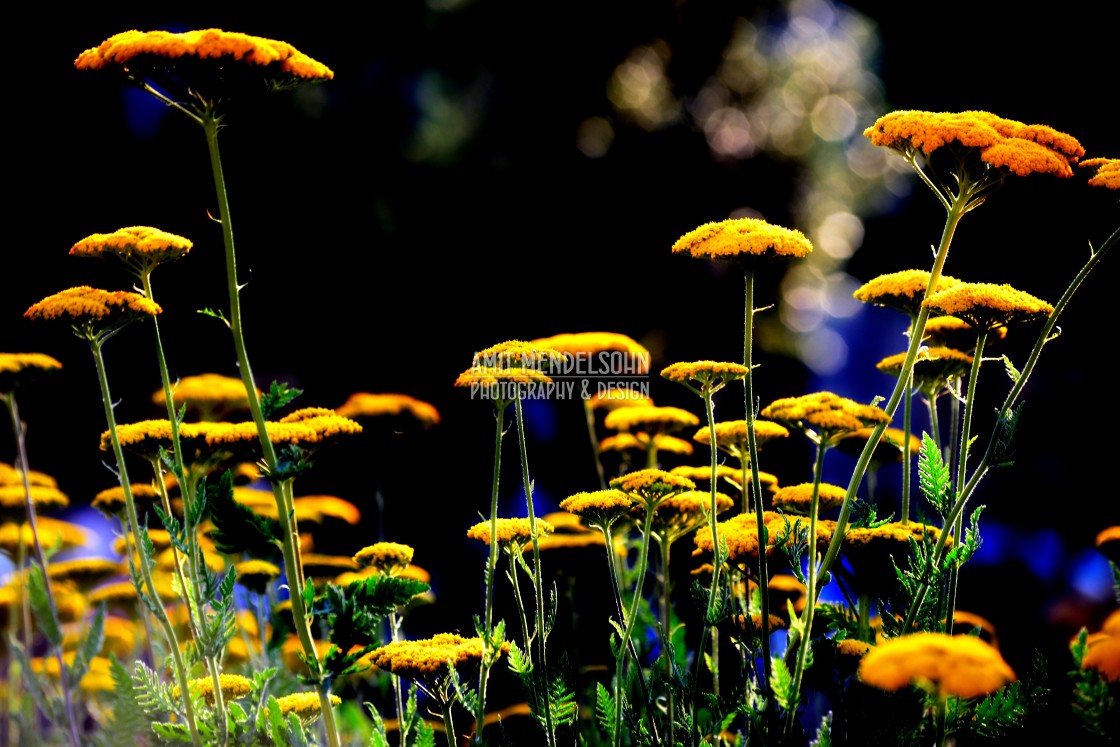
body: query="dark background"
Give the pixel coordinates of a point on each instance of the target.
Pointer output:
(369, 270)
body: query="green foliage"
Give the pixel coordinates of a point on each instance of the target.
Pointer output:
(824, 732)
(1095, 707)
(967, 547)
(237, 529)
(933, 477)
(781, 682)
(41, 605)
(89, 645)
(605, 707)
(1006, 425)
(127, 720)
(278, 396)
(863, 515)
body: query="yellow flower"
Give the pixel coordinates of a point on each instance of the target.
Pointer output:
(1019, 148)
(17, 369)
(9, 475)
(798, 498)
(956, 665)
(85, 305)
(901, 290)
(653, 419)
(140, 248)
(651, 486)
(935, 368)
(946, 331)
(589, 346)
(308, 706)
(512, 533)
(255, 574)
(233, 687)
(599, 507)
(321, 566)
(211, 396)
(873, 551)
(84, 572)
(327, 505)
(683, 512)
(428, 660)
(741, 534)
(612, 399)
(318, 429)
(13, 499)
(710, 375)
(743, 241)
(1108, 543)
(51, 531)
(366, 404)
(988, 305)
(889, 448)
(384, 557)
(731, 435)
(831, 416)
(207, 62)
(1103, 655)
(111, 501)
(1108, 172)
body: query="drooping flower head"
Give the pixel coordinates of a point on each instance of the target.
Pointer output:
(1004, 144)
(823, 416)
(1107, 172)
(139, 248)
(394, 407)
(743, 241)
(93, 312)
(17, 369)
(903, 290)
(959, 665)
(204, 66)
(987, 306)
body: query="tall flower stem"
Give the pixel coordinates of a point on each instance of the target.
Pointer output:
(956, 208)
(154, 603)
(907, 409)
(985, 463)
(589, 416)
(21, 447)
(488, 648)
(541, 633)
(667, 637)
(281, 489)
(756, 485)
(812, 590)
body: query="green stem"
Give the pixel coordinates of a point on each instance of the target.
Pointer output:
(156, 604)
(23, 466)
(756, 482)
(491, 571)
(290, 541)
(589, 416)
(449, 723)
(538, 590)
(667, 638)
(940, 547)
(907, 406)
(806, 637)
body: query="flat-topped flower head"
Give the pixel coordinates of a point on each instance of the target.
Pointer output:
(1102, 654)
(903, 290)
(892, 444)
(1006, 144)
(797, 499)
(506, 371)
(207, 64)
(705, 376)
(873, 551)
(740, 532)
(684, 512)
(139, 248)
(732, 436)
(743, 241)
(945, 331)
(651, 486)
(949, 665)
(613, 399)
(513, 534)
(598, 507)
(233, 687)
(599, 352)
(256, 574)
(651, 419)
(987, 306)
(385, 557)
(9, 475)
(67, 535)
(90, 310)
(208, 396)
(824, 416)
(1108, 543)
(428, 661)
(18, 369)
(1107, 172)
(394, 407)
(307, 705)
(304, 428)
(935, 368)
(85, 572)
(13, 499)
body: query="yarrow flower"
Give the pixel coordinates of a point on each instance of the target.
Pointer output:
(1018, 148)
(740, 532)
(84, 307)
(903, 290)
(598, 507)
(367, 404)
(210, 396)
(634, 357)
(139, 248)
(824, 416)
(255, 574)
(959, 665)
(743, 241)
(1107, 172)
(684, 512)
(651, 486)
(651, 419)
(428, 661)
(307, 706)
(233, 687)
(732, 435)
(17, 369)
(987, 305)
(798, 498)
(12, 499)
(206, 62)
(513, 534)
(385, 557)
